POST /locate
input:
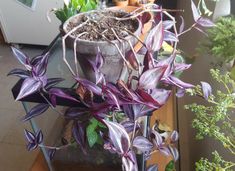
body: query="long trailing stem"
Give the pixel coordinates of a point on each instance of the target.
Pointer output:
(55, 148)
(64, 45)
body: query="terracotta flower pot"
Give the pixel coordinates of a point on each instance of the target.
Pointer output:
(87, 50)
(133, 2)
(121, 3)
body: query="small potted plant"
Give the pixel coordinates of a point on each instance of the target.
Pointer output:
(117, 107)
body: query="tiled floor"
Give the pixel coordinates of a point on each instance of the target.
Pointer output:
(13, 154)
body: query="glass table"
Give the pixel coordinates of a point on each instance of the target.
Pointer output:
(54, 126)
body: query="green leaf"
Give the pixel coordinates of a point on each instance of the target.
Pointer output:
(232, 73)
(92, 138)
(170, 166)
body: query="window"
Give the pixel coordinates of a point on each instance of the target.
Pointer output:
(28, 3)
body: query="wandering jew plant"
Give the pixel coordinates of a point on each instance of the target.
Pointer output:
(113, 112)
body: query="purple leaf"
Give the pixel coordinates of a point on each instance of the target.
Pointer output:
(35, 111)
(168, 24)
(177, 82)
(145, 17)
(117, 135)
(29, 136)
(150, 78)
(157, 139)
(160, 95)
(77, 113)
(130, 57)
(22, 58)
(174, 136)
(130, 162)
(32, 146)
(29, 86)
(52, 82)
(39, 137)
(195, 11)
(90, 86)
(142, 144)
(51, 153)
(41, 66)
(180, 92)
(174, 152)
(142, 50)
(153, 168)
(79, 135)
(148, 99)
(19, 73)
(128, 125)
(165, 151)
(181, 67)
(148, 61)
(53, 92)
(99, 59)
(206, 89)
(182, 25)
(169, 36)
(154, 39)
(205, 22)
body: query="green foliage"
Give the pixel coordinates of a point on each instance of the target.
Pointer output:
(91, 132)
(221, 40)
(170, 166)
(215, 120)
(217, 164)
(73, 8)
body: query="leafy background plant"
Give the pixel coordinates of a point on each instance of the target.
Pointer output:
(220, 42)
(74, 7)
(215, 119)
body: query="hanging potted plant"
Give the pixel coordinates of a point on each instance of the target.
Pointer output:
(117, 107)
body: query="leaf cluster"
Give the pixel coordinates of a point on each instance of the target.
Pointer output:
(73, 8)
(221, 40)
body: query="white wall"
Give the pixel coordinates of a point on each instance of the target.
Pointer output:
(22, 25)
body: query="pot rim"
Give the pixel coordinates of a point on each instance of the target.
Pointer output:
(138, 30)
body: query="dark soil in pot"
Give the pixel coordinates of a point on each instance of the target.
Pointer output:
(98, 32)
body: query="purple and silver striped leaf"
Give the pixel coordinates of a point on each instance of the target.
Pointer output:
(39, 137)
(195, 11)
(177, 82)
(206, 89)
(99, 59)
(51, 153)
(130, 162)
(181, 67)
(174, 152)
(152, 168)
(79, 135)
(182, 25)
(148, 61)
(157, 138)
(118, 135)
(160, 95)
(147, 99)
(77, 113)
(205, 22)
(60, 93)
(150, 78)
(35, 111)
(19, 73)
(40, 68)
(21, 57)
(154, 39)
(90, 86)
(128, 125)
(29, 136)
(52, 82)
(32, 146)
(174, 136)
(142, 144)
(168, 24)
(170, 37)
(29, 86)
(165, 151)
(180, 92)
